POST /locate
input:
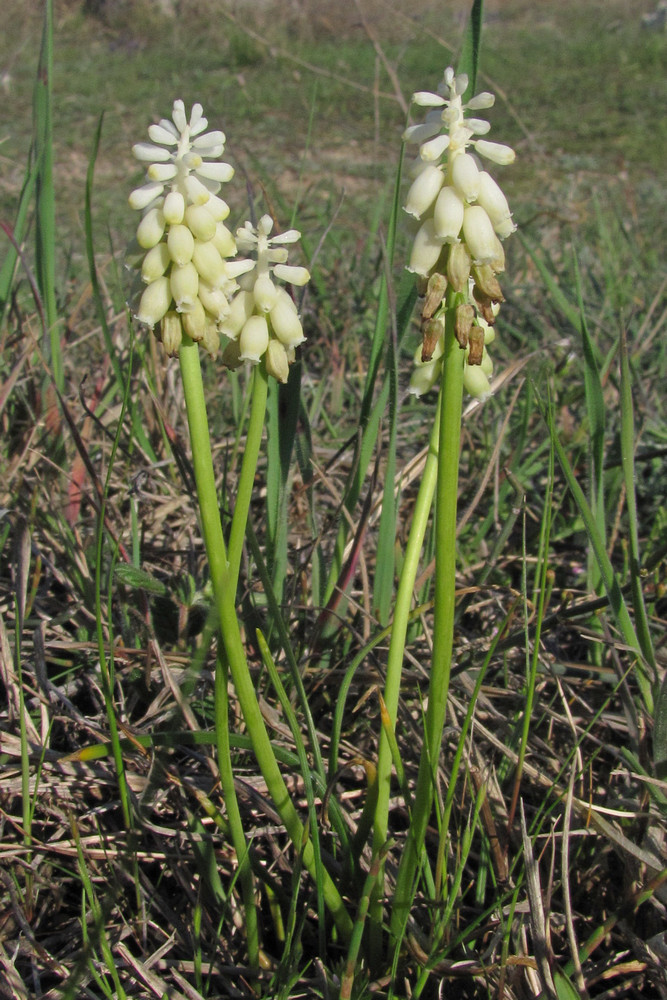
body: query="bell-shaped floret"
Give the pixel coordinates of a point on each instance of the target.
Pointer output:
(195, 321)
(181, 244)
(200, 222)
(265, 293)
(426, 250)
(184, 287)
(171, 332)
(285, 321)
(151, 228)
(209, 264)
(253, 339)
(154, 302)
(276, 361)
(465, 176)
(214, 301)
(155, 263)
(448, 215)
(424, 190)
(479, 235)
(476, 381)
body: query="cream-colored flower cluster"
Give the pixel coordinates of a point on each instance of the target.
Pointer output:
(463, 216)
(263, 319)
(187, 258)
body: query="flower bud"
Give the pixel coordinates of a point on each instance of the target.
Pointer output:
(486, 364)
(200, 222)
(155, 263)
(174, 208)
(154, 302)
(276, 361)
(214, 301)
(223, 241)
(254, 339)
(458, 266)
(424, 377)
(285, 322)
(476, 382)
(171, 332)
(240, 310)
(209, 264)
(181, 244)
(218, 208)
(448, 215)
(195, 321)
(479, 235)
(265, 293)
(291, 274)
(211, 339)
(465, 176)
(151, 228)
(424, 190)
(426, 249)
(494, 203)
(184, 286)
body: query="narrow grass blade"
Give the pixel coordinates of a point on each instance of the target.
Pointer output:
(627, 459)
(469, 61)
(45, 206)
(282, 413)
(609, 579)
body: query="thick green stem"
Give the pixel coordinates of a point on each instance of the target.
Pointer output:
(443, 628)
(229, 626)
(258, 393)
(233, 812)
(392, 685)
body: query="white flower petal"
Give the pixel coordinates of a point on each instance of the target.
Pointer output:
(220, 172)
(165, 133)
(424, 190)
(292, 275)
(147, 152)
(478, 126)
(422, 132)
(495, 151)
(291, 236)
(178, 115)
(141, 197)
(162, 172)
(215, 138)
(426, 99)
(480, 102)
(434, 148)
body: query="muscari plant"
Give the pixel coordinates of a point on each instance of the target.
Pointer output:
(197, 282)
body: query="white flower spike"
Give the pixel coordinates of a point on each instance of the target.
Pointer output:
(263, 316)
(185, 268)
(463, 214)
